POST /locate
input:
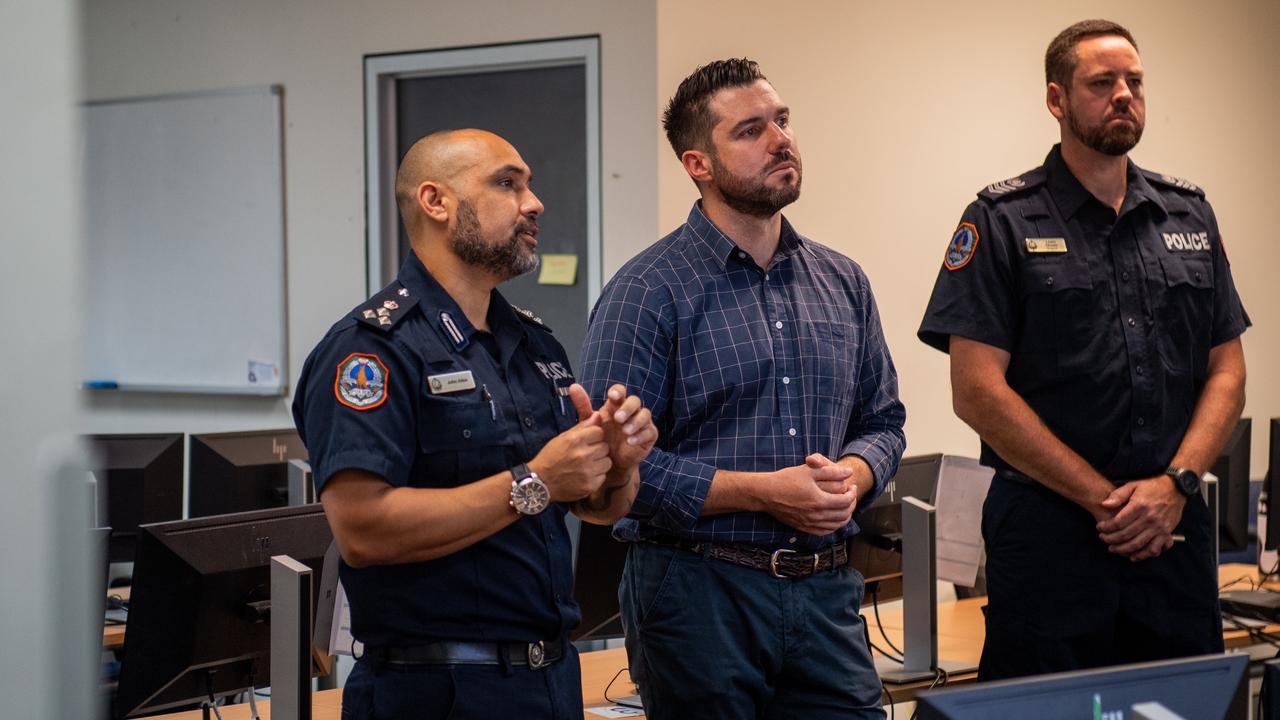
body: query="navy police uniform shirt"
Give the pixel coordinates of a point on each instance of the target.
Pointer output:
(1108, 318)
(404, 387)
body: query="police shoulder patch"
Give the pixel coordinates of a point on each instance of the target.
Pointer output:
(362, 381)
(1173, 182)
(388, 307)
(963, 243)
(1013, 185)
(530, 318)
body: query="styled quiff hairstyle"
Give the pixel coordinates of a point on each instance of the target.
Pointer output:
(688, 119)
(1060, 59)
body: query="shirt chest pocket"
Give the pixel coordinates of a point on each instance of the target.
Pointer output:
(833, 358)
(1185, 312)
(1063, 320)
(460, 441)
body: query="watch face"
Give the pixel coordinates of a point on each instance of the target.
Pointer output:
(1188, 482)
(530, 496)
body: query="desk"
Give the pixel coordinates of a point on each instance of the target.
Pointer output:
(961, 631)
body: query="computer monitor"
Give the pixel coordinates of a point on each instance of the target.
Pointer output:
(240, 471)
(1232, 470)
(199, 617)
(139, 480)
(596, 574)
(1209, 687)
(1271, 488)
(877, 548)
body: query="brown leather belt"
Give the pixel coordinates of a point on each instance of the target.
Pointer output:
(781, 563)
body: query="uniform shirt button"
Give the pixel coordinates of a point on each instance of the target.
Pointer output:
(1124, 276)
(1138, 370)
(1049, 281)
(786, 380)
(778, 324)
(1142, 421)
(1132, 322)
(791, 432)
(1197, 274)
(528, 422)
(466, 433)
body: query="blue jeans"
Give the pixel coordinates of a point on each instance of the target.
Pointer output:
(709, 639)
(376, 691)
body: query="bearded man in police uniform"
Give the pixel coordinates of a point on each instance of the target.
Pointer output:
(1094, 334)
(448, 440)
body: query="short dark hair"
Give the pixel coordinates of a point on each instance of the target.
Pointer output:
(687, 119)
(1060, 59)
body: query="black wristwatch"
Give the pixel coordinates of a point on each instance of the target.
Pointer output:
(529, 495)
(1187, 481)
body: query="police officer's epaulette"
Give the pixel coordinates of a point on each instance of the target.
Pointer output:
(387, 308)
(529, 317)
(1013, 186)
(1170, 181)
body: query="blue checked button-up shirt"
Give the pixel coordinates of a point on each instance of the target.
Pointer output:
(744, 369)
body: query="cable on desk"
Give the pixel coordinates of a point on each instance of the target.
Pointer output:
(875, 607)
(1275, 567)
(866, 636)
(615, 701)
(884, 690)
(940, 679)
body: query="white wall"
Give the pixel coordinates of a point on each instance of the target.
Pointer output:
(315, 50)
(905, 110)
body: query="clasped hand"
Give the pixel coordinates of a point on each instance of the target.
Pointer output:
(817, 497)
(1138, 517)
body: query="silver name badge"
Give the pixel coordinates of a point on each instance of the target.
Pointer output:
(451, 382)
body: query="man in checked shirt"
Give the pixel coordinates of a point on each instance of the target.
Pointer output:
(761, 355)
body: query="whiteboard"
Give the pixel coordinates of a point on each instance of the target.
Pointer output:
(185, 243)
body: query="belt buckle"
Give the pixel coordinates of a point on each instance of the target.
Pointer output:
(537, 655)
(773, 561)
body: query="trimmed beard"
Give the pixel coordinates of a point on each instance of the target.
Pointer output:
(1113, 141)
(753, 199)
(506, 259)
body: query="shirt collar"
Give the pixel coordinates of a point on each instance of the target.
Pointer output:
(1069, 195)
(444, 314)
(715, 244)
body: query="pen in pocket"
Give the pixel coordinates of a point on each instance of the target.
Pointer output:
(493, 407)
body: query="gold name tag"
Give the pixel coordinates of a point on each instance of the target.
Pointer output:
(1047, 245)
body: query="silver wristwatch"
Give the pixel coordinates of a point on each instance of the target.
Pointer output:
(529, 495)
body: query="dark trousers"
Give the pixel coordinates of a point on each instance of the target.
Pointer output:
(709, 639)
(1058, 600)
(378, 691)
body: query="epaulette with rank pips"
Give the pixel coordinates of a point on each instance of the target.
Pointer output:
(530, 318)
(387, 308)
(1173, 182)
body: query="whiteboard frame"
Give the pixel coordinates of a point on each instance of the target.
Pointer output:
(382, 240)
(282, 387)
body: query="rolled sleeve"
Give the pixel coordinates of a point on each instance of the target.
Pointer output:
(875, 431)
(629, 342)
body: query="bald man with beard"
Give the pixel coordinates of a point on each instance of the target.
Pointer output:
(448, 439)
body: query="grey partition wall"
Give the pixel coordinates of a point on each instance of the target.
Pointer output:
(541, 96)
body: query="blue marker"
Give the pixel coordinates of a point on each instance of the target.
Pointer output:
(101, 385)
